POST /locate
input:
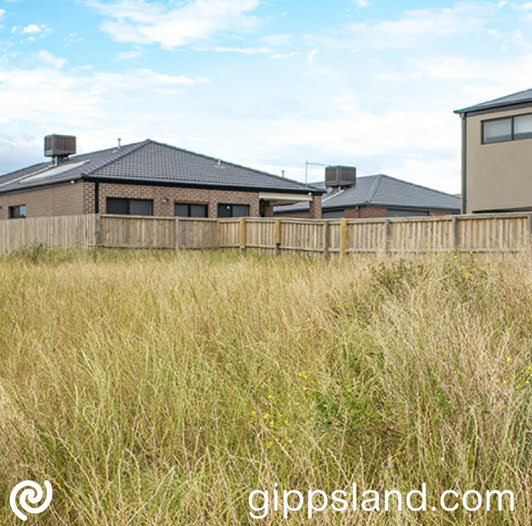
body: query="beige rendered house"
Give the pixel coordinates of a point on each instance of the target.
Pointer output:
(497, 155)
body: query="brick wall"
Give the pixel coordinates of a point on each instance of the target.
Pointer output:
(66, 199)
(351, 213)
(173, 195)
(372, 212)
(78, 198)
(315, 207)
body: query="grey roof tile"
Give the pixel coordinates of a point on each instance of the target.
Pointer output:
(154, 162)
(383, 190)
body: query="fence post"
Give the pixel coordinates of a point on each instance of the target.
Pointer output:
(454, 233)
(98, 230)
(217, 236)
(277, 235)
(343, 237)
(177, 234)
(326, 238)
(387, 235)
(243, 233)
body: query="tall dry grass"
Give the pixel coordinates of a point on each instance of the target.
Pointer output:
(155, 389)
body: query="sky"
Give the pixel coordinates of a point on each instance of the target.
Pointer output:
(269, 84)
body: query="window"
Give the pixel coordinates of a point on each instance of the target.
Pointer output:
(523, 127)
(17, 212)
(507, 129)
(136, 207)
(190, 210)
(233, 210)
(497, 131)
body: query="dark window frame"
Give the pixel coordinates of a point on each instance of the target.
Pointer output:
(232, 207)
(511, 118)
(13, 215)
(189, 209)
(128, 201)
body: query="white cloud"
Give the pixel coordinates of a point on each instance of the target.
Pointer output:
(95, 106)
(282, 56)
(362, 3)
(128, 55)
(412, 26)
(2, 13)
(31, 32)
(46, 58)
(141, 22)
(32, 29)
(242, 50)
(277, 40)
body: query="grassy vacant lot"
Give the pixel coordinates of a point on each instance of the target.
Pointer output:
(155, 389)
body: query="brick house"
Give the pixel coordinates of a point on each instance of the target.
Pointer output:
(145, 178)
(373, 196)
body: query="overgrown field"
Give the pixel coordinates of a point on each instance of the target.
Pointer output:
(161, 389)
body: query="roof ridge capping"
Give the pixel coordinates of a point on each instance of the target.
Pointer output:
(507, 100)
(303, 185)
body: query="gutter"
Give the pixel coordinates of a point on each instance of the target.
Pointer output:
(208, 186)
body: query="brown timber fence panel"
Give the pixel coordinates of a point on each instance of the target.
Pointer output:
(494, 233)
(334, 236)
(229, 233)
(260, 234)
(420, 234)
(302, 235)
(366, 235)
(75, 231)
(197, 233)
(118, 231)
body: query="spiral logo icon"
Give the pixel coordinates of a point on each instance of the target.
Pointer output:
(30, 495)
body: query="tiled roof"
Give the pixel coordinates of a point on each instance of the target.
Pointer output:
(16, 180)
(152, 162)
(383, 190)
(508, 100)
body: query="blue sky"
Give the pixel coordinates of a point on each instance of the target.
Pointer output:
(265, 83)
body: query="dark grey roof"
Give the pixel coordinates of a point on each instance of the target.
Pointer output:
(383, 190)
(47, 171)
(509, 100)
(151, 162)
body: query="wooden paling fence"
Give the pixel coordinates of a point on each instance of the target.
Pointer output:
(60, 231)
(340, 237)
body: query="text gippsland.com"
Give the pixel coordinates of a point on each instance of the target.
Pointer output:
(286, 503)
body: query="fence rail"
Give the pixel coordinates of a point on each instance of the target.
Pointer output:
(475, 233)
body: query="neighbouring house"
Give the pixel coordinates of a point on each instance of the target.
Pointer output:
(373, 196)
(145, 178)
(497, 155)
